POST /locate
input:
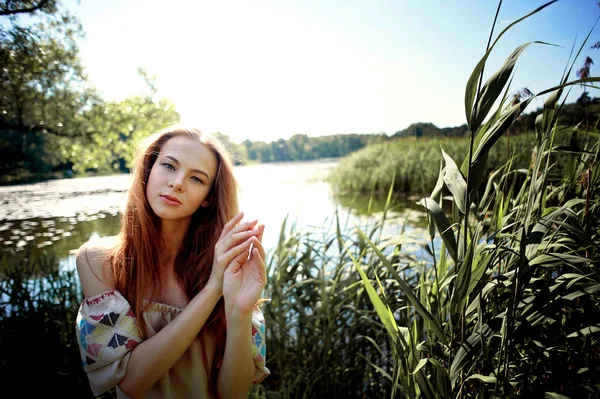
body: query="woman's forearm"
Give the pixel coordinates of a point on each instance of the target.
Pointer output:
(153, 358)
(237, 369)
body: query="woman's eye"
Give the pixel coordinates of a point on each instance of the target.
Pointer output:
(168, 166)
(197, 180)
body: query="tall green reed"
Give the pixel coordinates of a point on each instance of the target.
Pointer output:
(510, 306)
(38, 347)
(323, 334)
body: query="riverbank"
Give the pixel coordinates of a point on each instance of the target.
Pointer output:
(414, 164)
(22, 176)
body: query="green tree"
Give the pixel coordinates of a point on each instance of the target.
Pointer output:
(14, 7)
(238, 151)
(118, 126)
(51, 118)
(44, 95)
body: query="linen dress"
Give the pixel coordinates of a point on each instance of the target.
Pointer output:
(107, 332)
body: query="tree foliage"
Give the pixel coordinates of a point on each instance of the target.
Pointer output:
(430, 130)
(301, 147)
(51, 118)
(15, 7)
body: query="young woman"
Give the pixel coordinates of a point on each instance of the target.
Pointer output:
(170, 304)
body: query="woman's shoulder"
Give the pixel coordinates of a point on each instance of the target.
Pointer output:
(95, 273)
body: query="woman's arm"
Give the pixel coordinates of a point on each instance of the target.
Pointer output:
(237, 369)
(244, 280)
(152, 358)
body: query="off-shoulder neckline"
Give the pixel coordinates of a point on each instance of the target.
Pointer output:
(162, 307)
(159, 306)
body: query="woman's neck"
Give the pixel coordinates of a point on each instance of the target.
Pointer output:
(172, 232)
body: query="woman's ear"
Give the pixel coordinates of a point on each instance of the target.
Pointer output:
(208, 201)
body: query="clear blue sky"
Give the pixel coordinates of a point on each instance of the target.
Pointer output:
(265, 70)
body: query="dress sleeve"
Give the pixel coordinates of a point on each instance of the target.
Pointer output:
(259, 349)
(106, 333)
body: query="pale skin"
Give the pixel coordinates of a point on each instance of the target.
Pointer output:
(237, 274)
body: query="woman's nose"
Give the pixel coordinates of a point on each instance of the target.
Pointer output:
(177, 184)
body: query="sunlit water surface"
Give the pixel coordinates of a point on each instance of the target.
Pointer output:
(59, 215)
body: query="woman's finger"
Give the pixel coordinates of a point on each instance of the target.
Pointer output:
(244, 226)
(229, 225)
(261, 228)
(238, 261)
(239, 249)
(225, 242)
(236, 238)
(260, 260)
(261, 249)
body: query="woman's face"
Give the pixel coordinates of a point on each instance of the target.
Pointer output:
(181, 178)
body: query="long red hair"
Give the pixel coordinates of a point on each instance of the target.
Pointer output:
(134, 260)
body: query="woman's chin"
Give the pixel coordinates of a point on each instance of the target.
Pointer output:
(168, 214)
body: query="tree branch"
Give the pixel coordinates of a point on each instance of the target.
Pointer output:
(36, 7)
(42, 129)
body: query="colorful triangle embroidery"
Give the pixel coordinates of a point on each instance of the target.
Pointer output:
(87, 328)
(110, 319)
(117, 340)
(130, 344)
(94, 349)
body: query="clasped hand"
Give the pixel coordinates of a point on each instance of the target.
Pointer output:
(242, 273)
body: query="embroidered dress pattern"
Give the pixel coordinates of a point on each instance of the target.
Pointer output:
(106, 329)
(259, 348)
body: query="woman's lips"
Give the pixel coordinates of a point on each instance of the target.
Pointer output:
(170, 200)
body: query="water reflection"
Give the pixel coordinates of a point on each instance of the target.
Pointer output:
(63, 234)
(374, 204)
(59, 216)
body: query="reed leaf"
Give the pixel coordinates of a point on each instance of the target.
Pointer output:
(497, 82)
(455, 182)
(441, 221)
(500, 126)
(471, 87)
(488, 379)
(384, 312)
(419, 307)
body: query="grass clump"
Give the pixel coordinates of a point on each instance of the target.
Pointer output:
(38, 346)
(510, 304)
(372, 168)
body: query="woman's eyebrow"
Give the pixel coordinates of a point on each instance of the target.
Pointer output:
(194, 170)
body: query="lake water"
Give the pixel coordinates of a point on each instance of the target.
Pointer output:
(60, 215)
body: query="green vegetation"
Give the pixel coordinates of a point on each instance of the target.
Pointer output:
(375, 167)
(504, 303)
(300, 147)
(411, 159)
(430, 130)
(509, 306)
(38, 305)
(52, 122)
(322, 332)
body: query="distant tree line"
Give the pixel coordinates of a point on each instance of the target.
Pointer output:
(430, 130)
(584, 111)
(301, 147)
